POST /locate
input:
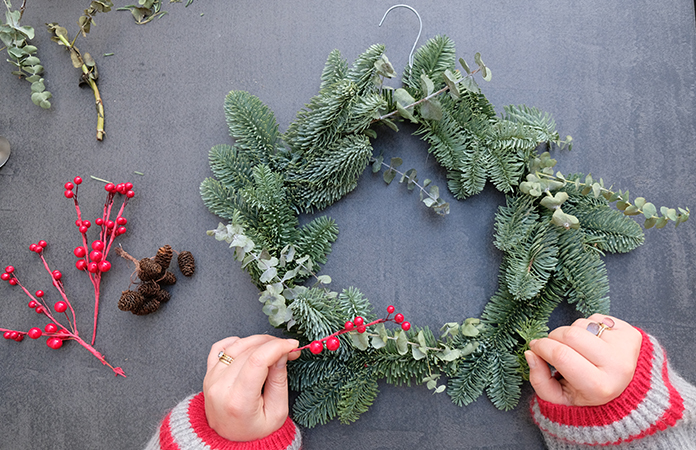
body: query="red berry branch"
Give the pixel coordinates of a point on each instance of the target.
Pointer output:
(55, 331)
(358, 324)
(93, 262)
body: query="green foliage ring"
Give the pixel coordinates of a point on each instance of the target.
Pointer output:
(552, 231)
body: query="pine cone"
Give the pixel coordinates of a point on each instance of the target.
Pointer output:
(130, 301)
(149, 288)
(168, 279)
(149, 270)
(163, 296)
(164, 256)
(151, 305)
(187, 264)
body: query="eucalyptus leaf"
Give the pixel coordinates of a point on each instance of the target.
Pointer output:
(431, 110)
(401, 342)
(417, 353)
(470, 84)
(396, 162)
(377, 342)
(359, 340)
(377, 164)
(464, 65)
(427, 85)
(405, 113)
(649, 210)
(324, 279)
(402, 96)
(389, 176)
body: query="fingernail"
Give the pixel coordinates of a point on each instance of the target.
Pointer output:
(531, 360)
(532, 342)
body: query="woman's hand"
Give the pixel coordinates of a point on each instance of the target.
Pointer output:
(248, 399)
(594, 370)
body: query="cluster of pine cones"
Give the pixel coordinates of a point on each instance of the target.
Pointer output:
(153, 274)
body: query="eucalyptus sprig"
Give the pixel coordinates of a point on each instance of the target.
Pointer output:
(541, 182)
(24, 55)
(85, 62)
(431, 197)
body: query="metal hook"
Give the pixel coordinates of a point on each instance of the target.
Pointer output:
(420, 21)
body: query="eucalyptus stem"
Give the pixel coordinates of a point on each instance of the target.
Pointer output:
(86, 71)
(412, 180)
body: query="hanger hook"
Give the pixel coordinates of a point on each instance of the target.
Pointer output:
(420, 22)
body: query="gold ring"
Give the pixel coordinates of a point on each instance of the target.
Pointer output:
(225, 358)
(598, 328)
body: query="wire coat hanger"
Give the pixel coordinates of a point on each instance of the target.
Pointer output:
(420, 29)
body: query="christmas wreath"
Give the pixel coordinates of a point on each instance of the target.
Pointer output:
(553, 229)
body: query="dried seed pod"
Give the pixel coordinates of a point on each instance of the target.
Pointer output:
(187, 264)
(130, 301)
(168, 279)
(151, 305)
(163, 296)
(148, 269)
(164, 256)
(149, 288)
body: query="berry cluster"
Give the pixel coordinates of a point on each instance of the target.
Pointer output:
(92, 259)
(358, 324)
(55, 332)
(154, 274)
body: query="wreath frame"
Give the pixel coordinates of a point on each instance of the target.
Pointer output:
(553, 230)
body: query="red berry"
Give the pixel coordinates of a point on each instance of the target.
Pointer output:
(77, 180)
(51, 328)
(333, 343)
(13, 335)
(57, 275)
(98, 246)
(129, 186)
(86, 223)
(120, 231)
(121, 220)
(130, 194)
(32, 247)
(78, 223)
(69, 194)
(349, 325)
(399, 318)
(104, 266)
(7, 335)
(120, 187)
(361, 329)
(34, 333)
(83, 229)
(69, 186)
(60, 306)
(38, 249)
(110, 224)
(96, 256)
(92, 267)
(390, 309)
(99, 221)
(19, 338)
(39, 293)
(54, 342)
(358, 321)
(39, 309)
(405, 326)
(5, 276)
(81, 264)
(80, 252)
(12, 281)
(43, 243)
(316, 347)
(9, 269)
(32, 304)
(109, 187)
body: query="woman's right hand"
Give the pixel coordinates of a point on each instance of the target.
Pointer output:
(594, 370)
(248, 399)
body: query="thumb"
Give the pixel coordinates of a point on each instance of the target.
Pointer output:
(545, 385)
(275, 391)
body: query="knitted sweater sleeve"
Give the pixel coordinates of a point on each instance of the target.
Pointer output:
(656, 411)
(186, 428)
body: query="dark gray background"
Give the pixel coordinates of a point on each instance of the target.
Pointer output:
(617, 76)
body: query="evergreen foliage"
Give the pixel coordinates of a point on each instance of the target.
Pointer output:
(553, 230)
